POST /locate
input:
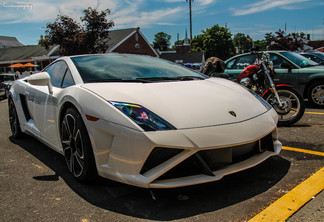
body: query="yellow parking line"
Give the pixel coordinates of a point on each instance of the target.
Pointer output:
(314, 113)
(288, 204)
(303, 151)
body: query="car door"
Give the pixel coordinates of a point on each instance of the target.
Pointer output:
(235, 66)
(285, 71)
(47, 106)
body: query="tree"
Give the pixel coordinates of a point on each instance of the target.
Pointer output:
(96, 30)
(291, 42)
(268, 36)
(90, 37)
(198, 44)
(177, 43)
(215, 41)
(161, 41)
(260, 44)
(242, 43)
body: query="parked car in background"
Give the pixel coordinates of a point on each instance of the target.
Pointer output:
(6, 79)
(315, 56)
(290, 68)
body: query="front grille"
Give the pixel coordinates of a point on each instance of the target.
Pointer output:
(206, 161)
(267, 143)
(158, 156)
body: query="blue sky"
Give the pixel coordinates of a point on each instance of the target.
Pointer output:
(26, 19)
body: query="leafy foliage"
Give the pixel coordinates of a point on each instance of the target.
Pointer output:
(90, 37)
(281, 41)
(242, 42)
(268, 37)
(161, 41)
(215, 41)
(177, 43)
(260, 44)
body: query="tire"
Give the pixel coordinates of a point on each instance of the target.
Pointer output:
(294, 106)
(13, 120)
(77, 147)
(316, 94)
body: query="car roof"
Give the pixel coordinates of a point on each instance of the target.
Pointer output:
(248, 53)
(314, 53)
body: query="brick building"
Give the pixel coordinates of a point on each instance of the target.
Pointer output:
(121, 41)
(130, 41)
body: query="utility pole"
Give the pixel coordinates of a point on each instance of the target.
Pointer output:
(190, 22)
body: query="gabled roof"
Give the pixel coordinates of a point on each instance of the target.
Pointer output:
(22, 52)
(190, 57)
(116, 36)
(8, 41)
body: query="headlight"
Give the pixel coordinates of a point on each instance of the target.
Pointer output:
(265, 103)
(255, 77)
(146, 119)
(245, 82)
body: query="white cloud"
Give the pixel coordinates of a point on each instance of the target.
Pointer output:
(206, 2)
(124, 13)
(194, 2)
(265, 5)
(146, 19)
(47, 10)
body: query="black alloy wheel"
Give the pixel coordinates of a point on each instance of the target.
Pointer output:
(13, 120)
(77, 147)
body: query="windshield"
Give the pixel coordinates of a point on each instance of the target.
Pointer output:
(117, 67)
(299, 60)
(319, 54)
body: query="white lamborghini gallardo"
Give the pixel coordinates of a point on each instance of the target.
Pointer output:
(143, 121)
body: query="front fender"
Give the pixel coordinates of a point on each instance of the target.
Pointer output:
(279, 86)
(283, 86)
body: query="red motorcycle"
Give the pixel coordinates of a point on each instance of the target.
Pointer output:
(287, 102)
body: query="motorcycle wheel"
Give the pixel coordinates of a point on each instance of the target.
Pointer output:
(293, 106)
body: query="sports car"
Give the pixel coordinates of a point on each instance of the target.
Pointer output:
(143, 121)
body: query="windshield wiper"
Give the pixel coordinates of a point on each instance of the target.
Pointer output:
(148, 80)
(184, 78)
(118, 80)
(178, 78)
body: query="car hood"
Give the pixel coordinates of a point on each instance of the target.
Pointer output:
(186, 104)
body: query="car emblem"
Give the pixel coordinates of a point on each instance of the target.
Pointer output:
(232, 113)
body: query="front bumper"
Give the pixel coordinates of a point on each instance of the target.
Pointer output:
(175, 158)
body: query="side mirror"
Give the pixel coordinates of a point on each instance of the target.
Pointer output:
(41, 79)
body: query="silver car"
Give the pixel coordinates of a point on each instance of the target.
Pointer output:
(6, 79)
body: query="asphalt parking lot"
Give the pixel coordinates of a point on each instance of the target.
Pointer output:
(35, 184)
